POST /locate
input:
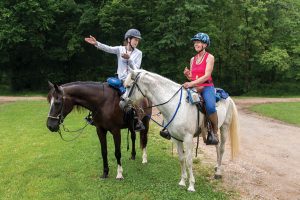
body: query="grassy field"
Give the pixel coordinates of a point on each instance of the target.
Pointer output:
(37, 164)
(287, 112)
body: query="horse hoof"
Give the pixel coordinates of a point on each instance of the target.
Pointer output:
(182, 184)
(191, 189)
(218, 176)
(144, 162)
(120, 178)
(132, 158)
(104, 176)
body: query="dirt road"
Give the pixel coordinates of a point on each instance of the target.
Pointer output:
(269, 163)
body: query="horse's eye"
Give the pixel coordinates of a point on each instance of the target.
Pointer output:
(57, 103)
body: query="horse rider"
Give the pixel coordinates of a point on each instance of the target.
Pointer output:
(128, 57)
(200, 77)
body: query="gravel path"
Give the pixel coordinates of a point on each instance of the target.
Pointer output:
(269, 163)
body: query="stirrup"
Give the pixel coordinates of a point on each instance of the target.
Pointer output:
(165, 134)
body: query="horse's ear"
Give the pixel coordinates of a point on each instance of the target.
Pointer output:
(50, 84)
(133, 74)
(57, 88)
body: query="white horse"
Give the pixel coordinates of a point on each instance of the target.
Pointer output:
(182, 117)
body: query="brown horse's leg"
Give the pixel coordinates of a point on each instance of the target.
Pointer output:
(133, 138)
(144, 138)
(117, 139)
(144, 133)
(102, 137)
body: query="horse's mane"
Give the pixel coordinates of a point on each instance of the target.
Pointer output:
(163, 79)
(85, 83)
(93, 83)
(155, 76)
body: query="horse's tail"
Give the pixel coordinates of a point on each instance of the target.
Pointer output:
(234, 137)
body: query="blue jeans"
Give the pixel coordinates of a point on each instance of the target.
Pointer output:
(209, 96)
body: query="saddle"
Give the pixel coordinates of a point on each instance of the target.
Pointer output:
(195, 98)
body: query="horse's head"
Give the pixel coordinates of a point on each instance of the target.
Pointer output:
(133, 84)
(59, 107)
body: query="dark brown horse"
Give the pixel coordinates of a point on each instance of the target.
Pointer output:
(103, 102)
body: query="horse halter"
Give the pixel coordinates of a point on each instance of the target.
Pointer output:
(59, 117)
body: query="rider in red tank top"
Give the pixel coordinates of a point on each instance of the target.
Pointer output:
(199, 74)
(198, 70)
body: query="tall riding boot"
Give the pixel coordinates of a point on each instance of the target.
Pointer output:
(213, 139)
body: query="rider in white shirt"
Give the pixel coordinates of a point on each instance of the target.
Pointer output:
(128, 57)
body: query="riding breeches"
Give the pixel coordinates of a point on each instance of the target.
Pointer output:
(209, 96)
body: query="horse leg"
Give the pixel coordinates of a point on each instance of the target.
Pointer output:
(102, 137)
(144, 139)
(180, 152)
(189, 163)
(117, 140)
(133, 138)
(220, 151)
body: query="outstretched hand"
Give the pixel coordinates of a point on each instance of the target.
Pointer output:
(91, 40)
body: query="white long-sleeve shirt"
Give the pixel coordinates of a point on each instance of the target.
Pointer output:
(134, 62)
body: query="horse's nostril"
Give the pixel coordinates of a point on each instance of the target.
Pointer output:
(53, 128)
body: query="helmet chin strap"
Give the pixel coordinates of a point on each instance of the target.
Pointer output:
(203, 48)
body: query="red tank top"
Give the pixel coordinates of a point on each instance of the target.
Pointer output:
(198, 70)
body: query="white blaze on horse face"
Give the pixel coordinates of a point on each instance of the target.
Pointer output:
(51, 104)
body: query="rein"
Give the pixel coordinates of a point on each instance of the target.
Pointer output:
(178, 105)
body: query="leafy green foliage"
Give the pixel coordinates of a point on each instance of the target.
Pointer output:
(42, 41)
(275, 59)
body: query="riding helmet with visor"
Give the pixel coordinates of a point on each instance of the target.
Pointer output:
(202, 37)
(133, 33)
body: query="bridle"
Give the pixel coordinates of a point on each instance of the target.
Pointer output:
(135, 84)
(60, 116)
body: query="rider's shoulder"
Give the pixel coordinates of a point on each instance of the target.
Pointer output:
(210, 56)
(138, 51)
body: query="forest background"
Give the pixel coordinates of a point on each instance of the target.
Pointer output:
(256, 43)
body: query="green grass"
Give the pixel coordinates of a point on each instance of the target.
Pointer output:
(37, 164)
(287, 112)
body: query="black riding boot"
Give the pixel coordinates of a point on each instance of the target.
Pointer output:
(212, 137)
